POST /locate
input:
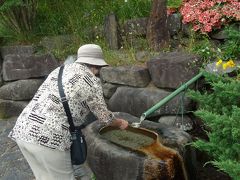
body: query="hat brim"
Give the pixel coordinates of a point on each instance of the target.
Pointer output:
(92, 61)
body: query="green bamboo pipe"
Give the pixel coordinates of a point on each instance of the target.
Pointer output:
(170, 96)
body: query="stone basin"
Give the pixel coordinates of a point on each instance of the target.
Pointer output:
(131, 138)
(166, 158)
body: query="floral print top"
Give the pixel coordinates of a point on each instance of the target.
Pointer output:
(44, 120)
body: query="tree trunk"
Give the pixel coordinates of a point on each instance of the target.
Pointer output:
(157, 31)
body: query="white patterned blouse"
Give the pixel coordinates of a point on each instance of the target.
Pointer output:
(44, 121)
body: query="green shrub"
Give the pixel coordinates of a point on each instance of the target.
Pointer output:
(70, 16)
(202, 46)
(84, 20)
(16, 19)
(230, 49)
(174, 3)
(227, 50)
(131, 9)
(219, 108)
(63, 17)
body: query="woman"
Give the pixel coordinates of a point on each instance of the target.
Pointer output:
(42, 129)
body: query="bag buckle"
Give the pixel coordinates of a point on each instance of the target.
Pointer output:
(64, 99)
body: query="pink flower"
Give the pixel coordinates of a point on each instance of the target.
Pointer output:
(206, 15)
(196, 27)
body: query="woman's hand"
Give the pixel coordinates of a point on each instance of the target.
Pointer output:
(121, 123)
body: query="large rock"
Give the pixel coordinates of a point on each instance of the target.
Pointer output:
(17, 50)
(134, 32)
(142, 56)
(11, 108)
(136, 101)
(187, 30)
(109, 89)
(170, 70)
(27, 66)
(130, 165)
(183, 122)
(20, 90)
(174, 23)
(135, 27)
(219, 35)
(112, 32)
(222, 34)
(137, 76)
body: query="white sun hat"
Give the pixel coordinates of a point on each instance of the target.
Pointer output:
(91, 54)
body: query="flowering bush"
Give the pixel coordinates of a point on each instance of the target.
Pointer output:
(205, 15)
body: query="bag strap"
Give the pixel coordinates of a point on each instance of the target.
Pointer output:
(64, 100)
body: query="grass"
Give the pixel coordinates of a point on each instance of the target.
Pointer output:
(174, 3)
(79, 18)
(83, 20)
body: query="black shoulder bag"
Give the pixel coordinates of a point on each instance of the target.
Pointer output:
(79, 146)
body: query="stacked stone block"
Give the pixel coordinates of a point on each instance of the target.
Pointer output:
(22, 73)
(131, 89)
(135, 89)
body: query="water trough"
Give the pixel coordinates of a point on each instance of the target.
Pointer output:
(158, 157)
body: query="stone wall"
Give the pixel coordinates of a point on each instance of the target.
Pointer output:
(22, 72)
(133, 30)
(127, 89)
(131, 89)
(135, 89)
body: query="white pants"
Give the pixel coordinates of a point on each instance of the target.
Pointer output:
(46, 163)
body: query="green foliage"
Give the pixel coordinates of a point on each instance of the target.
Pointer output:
(93, 177)
(84, 20)
(203, 46)
(231, 47)
(117, 58)
(226, 93)
(132, 9)
(174, 3)
(123, 56)
(8, 5)
(70, 16)
(16, 19)
(230, 166)
(54, 17)
(28, 21)
(220, 111)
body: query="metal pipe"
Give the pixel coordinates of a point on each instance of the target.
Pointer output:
(171, 96)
